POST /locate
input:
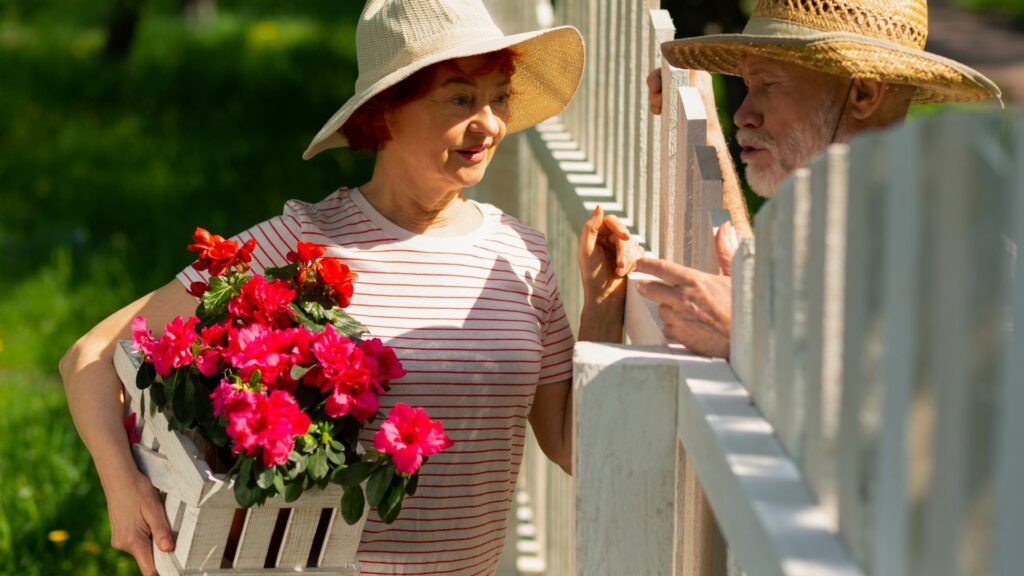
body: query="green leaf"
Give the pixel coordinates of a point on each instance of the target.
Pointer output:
(335, 458)
(245, 493)
(297, 372)
(414, 482)
(145, 377)
(293, 490)
(213, 306)
(304, 319)
(354, 473)
(254, 378)
(265, 479)
(158, 394)
(279, 482)
(352, 504)
(391, 504)
(282, 273)
(347, 325)
(189, 414)
(378, 484)
(318, 465)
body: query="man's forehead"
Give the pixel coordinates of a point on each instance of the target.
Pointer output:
(752, 65)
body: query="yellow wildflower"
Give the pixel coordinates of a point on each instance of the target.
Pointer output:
(57, 536)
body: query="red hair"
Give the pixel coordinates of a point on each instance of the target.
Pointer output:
(366, 129)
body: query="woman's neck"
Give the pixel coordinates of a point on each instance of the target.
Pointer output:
(420, 208)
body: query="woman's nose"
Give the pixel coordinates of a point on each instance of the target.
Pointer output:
(486, 122)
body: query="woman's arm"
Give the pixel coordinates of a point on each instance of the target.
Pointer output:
(551, 420)
(94, 396)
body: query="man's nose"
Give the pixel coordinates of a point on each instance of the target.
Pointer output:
(747, 115)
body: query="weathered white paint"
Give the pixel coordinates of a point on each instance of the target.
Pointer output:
(742, 346)
(661, 30)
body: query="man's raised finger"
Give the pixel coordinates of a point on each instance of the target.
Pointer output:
(670, 272)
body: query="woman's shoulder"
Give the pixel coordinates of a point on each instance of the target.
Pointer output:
(514, 233)
(334, 202)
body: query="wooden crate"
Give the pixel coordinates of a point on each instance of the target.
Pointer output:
(308, 535)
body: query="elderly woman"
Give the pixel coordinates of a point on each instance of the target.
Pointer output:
(463, 293)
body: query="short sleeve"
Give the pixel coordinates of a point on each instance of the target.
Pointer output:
(556, 337)
(274, 239)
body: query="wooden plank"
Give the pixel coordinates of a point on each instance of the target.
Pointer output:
(690, 120)
(793, 320)
(1009, 554)
(642, 324)
(902, 284)
(948, 319)
(704, 548)
(761, 387)
(768, 516)
(342, 541)
(662, 30)
(862, 323)
(628, 517)
(826, 268)
(255, 539)
(673, 155)
(706, 202)
(778, 410)
(298, 538)
(203, 537)
(741, 355)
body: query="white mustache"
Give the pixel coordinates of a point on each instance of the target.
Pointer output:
(756, 138)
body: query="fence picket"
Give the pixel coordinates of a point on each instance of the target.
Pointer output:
(902, 284)
(1009, 554)
(662, 30)
(691, 131)
(672, 161)
(790, 257)
(706, 207)
(741, 354)
(764, 322)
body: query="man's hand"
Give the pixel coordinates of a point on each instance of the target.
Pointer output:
(137, 519)
(695, 307)
(699, 79)
(726, 244)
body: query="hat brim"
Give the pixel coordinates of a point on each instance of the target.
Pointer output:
(938, 79)
(549, 65)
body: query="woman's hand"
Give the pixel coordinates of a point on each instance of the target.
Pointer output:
(607, 254)
(137, 520)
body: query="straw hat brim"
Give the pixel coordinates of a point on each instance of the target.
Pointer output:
(937, 79)
(549, 65)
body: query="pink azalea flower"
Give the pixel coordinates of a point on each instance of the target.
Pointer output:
(272, 352)
(382, 363)
(341, 372)
(172, 350)
(263, 302)
(409, 435)
(131, 429)
(257, 422)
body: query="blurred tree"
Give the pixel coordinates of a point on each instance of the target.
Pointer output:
(122, 24)
(199, 12)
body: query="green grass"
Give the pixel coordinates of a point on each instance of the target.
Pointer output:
(107, 167)
(48, 486)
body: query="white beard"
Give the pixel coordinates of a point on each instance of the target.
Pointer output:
(794, 149)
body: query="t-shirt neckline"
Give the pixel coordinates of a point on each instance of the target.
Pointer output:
(409, 238)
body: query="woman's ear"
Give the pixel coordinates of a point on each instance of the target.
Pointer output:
(866, 97)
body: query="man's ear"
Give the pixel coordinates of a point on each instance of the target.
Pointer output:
(866, 97)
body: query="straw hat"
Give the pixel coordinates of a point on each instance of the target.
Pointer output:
(395, 38)
(879, 39)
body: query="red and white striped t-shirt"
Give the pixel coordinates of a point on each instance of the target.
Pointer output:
(478, 324)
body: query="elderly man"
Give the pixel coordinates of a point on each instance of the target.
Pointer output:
(817, 72)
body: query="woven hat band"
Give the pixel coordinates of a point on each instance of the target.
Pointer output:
(780, 28)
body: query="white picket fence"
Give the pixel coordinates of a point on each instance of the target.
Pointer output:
(867, 421)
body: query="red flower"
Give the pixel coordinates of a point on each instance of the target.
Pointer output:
(409, 435)
(382, 363)
(342, 373)
(259, 422)
(339, 277)
(172, 350)
(129, 427)
(197, 289)
(217, 254)
(262, 302)
(272, 352)
(307, 252)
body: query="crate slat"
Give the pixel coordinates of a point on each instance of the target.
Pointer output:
(298, 538)
(255, 540)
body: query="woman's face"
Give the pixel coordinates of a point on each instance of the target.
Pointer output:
(449, 136)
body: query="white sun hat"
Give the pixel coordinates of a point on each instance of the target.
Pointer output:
(396, 38)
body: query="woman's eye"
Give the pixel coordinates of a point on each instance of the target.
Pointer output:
(502, 99)
(461, 100)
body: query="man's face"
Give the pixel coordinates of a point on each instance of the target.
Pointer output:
(787, 117)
